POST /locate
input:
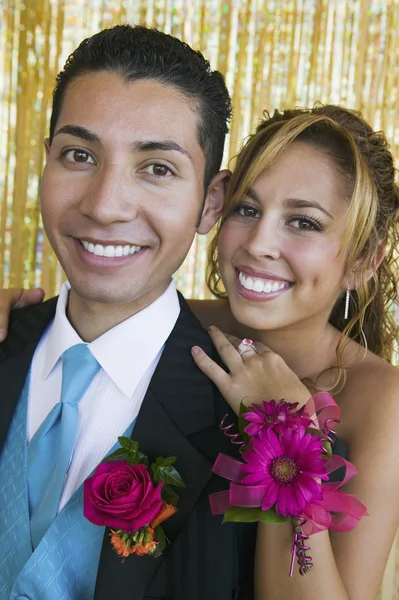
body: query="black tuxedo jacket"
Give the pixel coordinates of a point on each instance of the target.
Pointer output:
(180, 416)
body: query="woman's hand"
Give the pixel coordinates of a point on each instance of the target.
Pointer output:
(16, 298)
(254, 375)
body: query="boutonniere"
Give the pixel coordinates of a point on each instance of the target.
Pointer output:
(133, 497)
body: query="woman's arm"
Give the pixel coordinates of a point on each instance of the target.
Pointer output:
(16, 298)
(347, 566)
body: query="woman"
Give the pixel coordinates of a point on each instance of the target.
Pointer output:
(305, 251)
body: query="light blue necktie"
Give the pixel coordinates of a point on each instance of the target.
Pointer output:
(50, 449)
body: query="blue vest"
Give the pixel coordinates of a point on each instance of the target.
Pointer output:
(64, 565)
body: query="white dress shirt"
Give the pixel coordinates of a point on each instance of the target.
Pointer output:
(128, 355)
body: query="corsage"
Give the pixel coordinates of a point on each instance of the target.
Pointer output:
(284, 472)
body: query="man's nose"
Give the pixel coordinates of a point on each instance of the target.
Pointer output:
(111, 197)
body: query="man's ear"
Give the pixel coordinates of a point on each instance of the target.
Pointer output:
(47, 146)
(214, 201)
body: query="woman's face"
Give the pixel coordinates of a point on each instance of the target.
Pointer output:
(279, 250)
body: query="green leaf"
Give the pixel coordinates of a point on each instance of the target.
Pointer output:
(143, 460)
(128, 444)
(169, 495)
(120, 454)
(156, 473)
(327, 446)
(166, 462)
(250, 515)
(159, 536)
(171, 476)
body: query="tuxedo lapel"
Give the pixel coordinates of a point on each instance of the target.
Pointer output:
(179, 404)
(16, 353)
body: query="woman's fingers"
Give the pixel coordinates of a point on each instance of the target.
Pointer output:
(16, 298)
(208, 366)
(226, 350)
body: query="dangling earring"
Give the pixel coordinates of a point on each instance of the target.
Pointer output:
(347, 298)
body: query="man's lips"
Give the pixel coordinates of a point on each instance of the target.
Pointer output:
(110, 250)
(109, 256)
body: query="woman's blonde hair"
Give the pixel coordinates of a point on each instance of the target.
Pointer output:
(366, 174)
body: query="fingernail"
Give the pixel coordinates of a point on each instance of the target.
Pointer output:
(195, 350)
(2, 335)
(211, 328)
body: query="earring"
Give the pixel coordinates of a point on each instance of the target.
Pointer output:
(347, 298)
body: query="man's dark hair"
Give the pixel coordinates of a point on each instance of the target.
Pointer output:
(141, 53)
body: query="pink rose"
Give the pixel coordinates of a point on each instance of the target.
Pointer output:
(121, 496)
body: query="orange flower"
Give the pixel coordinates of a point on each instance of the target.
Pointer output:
(124, 549)
(120, 546)
(167, 511)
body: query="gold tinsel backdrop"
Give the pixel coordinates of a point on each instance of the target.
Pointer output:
(273, 54)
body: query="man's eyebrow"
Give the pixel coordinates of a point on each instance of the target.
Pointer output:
(79, 132)
(250, 192)
(163, 146)
(297, 203)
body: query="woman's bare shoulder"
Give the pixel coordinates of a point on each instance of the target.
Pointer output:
(371, 373)
(212, 312)
(371, 394)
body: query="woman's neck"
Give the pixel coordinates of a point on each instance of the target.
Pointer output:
(307, 349)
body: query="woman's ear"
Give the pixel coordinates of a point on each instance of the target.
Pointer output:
(381, 252)
(214, 201)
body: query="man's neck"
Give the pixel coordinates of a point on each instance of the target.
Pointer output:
(92, 319)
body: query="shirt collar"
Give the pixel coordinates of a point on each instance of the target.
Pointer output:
(124, 352)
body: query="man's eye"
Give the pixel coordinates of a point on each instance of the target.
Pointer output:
(158, 170)
(78, 156)
(245, 210)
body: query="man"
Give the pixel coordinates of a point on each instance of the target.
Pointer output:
(132, 173)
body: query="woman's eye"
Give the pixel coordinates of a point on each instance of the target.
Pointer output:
(158, 170)
(305, 224)
(78, 156)
(247, 211)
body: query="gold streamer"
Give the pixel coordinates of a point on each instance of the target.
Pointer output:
(273, 54)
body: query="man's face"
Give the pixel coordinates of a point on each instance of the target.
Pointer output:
(123, 187)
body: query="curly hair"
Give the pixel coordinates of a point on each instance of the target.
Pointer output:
(365, 167)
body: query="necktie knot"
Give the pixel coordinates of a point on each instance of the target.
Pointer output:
(78, 368)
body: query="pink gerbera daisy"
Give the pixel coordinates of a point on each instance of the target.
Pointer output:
(277, 415)
(288, 465)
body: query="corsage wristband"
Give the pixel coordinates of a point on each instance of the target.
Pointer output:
(285, 472)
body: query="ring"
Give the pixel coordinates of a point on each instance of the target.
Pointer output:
(246, 345)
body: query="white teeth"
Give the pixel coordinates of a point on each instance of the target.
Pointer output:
(257, 285)
(109, 251)
(266, 286)
(248, 283)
